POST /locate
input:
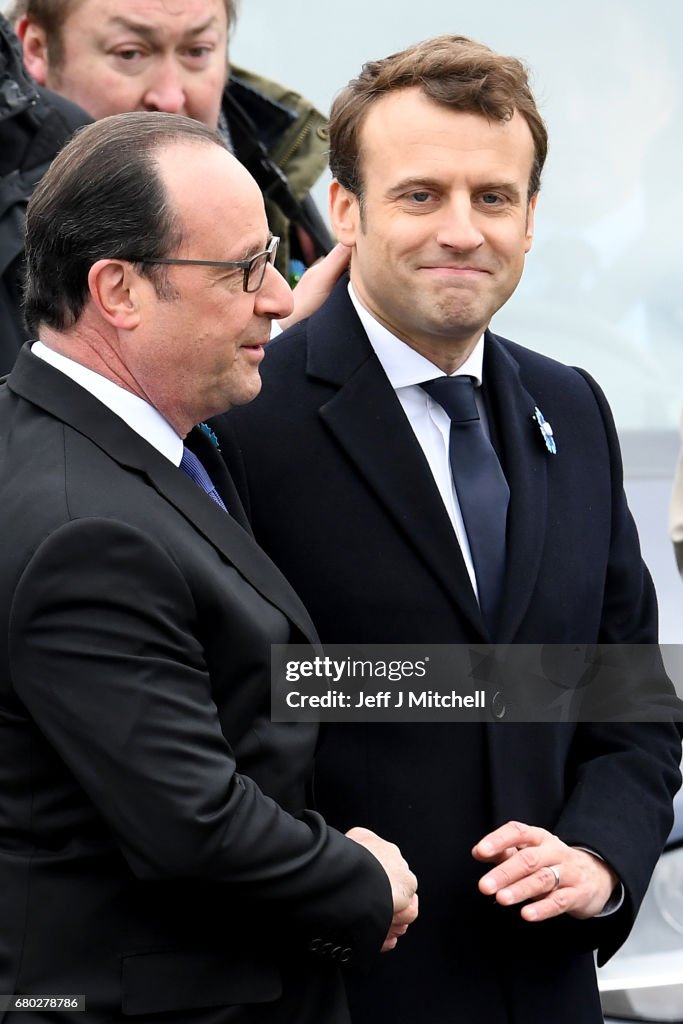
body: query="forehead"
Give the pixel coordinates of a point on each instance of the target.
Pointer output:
(174, 16)
(408, 132)
(226, 212)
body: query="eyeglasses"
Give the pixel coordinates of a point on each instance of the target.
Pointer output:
(254, 269)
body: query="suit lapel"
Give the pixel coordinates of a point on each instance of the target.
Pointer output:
(525, 463)
(366, 418)
(44, 386)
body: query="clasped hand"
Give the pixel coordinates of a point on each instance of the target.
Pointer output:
(403, 882)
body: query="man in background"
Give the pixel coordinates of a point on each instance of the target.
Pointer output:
(34, 124)
(155, 850)
(422, 481)
(112, 56)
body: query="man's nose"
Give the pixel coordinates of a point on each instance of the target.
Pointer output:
(165, 91)
(274, 297)
(459, 228)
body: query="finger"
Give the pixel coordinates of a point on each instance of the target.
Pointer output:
(408, 915)
(513, 834)
(508, 852)
(329, 268)
(561, 901)
(540, 884)
(525, 862)
(337, 258)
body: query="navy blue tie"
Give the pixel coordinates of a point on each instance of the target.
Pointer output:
(483, 493)
(191, 465)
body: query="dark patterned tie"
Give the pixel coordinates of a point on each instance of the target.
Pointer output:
(191, 465)
(483, 493)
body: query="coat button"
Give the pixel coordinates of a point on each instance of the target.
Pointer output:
(325, 948)
(315, 945)
(345, 955)
(334, 954)
(498, 705)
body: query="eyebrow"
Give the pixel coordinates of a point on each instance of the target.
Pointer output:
(416, 184)
(252, 250)
(150, 34)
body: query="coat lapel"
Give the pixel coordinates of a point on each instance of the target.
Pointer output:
(368, 421)
(525, 463)
(44, 386)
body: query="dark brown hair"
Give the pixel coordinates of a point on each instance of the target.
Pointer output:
(453, 71)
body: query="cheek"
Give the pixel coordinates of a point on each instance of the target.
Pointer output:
(204, 98)
(107, 92)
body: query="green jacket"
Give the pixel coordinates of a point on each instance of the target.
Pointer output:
(283, 141)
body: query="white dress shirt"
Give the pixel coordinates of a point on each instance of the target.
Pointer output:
(140, 416)
(406, 370)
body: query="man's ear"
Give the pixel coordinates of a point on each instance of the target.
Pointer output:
(116, 291)
(531, 210)
(344, 213)
(34, 42)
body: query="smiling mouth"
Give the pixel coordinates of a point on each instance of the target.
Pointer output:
(447, 269)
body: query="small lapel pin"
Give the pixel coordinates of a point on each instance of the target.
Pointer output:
(206, 429)
(546, 431)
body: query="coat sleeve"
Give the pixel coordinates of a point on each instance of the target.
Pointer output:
(623, 776)
(105, 656)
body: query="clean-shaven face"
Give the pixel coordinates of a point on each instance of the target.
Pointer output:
(446, 222)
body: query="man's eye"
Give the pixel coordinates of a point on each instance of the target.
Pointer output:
(420, 197)
(198, 52)
(129, 54)
(491, 199)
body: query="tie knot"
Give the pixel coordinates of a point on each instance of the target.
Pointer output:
(455, 395)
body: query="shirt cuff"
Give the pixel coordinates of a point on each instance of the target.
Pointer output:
(617, 897)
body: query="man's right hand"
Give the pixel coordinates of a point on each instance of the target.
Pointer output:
(403, 882)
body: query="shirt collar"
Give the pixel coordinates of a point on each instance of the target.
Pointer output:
(402, 364)
(140, 416)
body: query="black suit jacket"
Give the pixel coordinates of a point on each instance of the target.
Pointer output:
(340, 495)
(155, 853)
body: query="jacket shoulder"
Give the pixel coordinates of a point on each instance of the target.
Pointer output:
(541, 372)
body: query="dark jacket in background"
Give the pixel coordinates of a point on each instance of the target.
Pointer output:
(34, 125)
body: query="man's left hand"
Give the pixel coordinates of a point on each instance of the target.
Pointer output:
(533, 864)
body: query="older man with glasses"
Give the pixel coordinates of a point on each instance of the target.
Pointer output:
(156, 856)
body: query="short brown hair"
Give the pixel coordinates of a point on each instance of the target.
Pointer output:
(50, 15)
(453, 71)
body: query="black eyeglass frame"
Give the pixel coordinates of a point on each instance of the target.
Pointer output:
(246, 266)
